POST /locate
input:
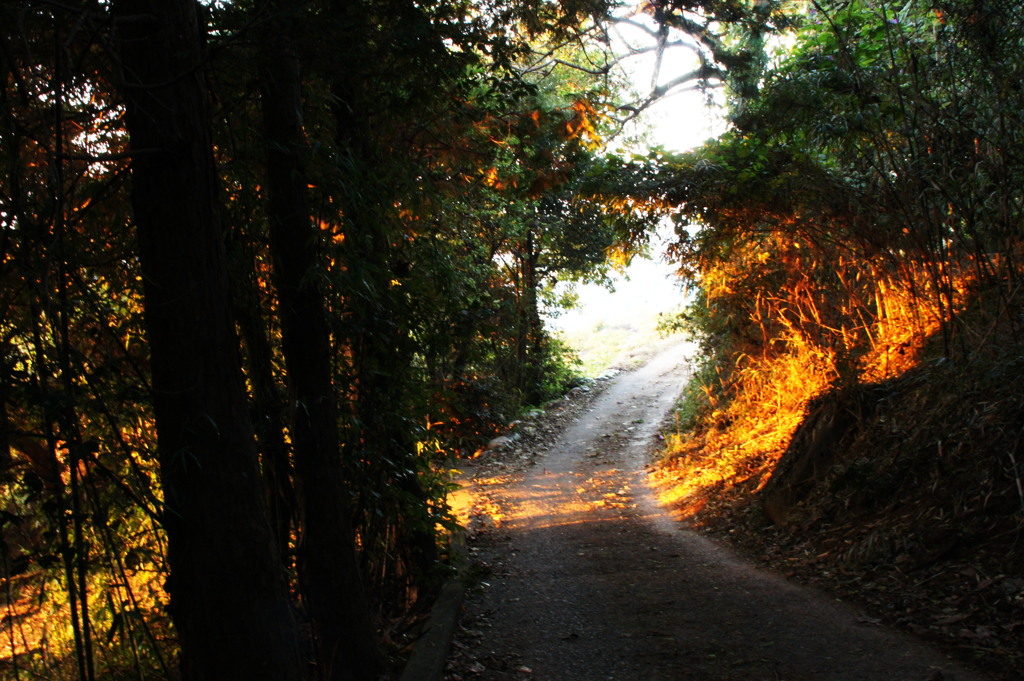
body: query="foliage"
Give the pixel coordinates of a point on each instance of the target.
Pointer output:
(843, 214)
(77, 463)
(449, 186)
(558, 370)
(855, 240)
(851, 236)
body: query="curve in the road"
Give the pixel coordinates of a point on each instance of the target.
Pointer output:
(594, 582)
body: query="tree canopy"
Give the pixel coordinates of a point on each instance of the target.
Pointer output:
(267, 267)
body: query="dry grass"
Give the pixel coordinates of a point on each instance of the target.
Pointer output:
(763, 398)
(601, 346)
(127, 619)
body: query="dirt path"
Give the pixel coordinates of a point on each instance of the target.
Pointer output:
(587, 580)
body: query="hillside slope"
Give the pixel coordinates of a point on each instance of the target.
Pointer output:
(905, 496)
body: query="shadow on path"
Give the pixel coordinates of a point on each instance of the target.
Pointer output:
(590, 580)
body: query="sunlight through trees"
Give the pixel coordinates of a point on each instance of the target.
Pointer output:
(270, 267)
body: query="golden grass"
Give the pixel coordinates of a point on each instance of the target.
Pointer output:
(38, 635)
(741, 437)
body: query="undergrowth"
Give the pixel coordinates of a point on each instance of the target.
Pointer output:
(911, 501)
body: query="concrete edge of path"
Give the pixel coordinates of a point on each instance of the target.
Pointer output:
(430, 653)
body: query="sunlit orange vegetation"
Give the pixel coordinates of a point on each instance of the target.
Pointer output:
(807, 326)
(128, 615)
(740, 440)
(79, 573)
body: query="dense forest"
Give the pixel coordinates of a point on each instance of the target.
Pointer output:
(268, 268)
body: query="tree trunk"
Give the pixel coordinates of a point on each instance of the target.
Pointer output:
(229, 597)
(328, 569)
(529, 339)
(268, 401)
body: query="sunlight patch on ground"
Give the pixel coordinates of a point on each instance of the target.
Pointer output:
(476, 504)
(606, 489)
(545, 500)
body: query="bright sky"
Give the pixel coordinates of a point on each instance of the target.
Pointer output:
(678, 123)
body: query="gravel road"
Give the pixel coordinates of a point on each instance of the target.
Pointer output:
(585, 578)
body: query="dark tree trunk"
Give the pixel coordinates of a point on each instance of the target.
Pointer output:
(404, 543)
(229, 597)
(268, 401)
(533, 367)
(529, 330)
(6, 430)
(328, 568)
